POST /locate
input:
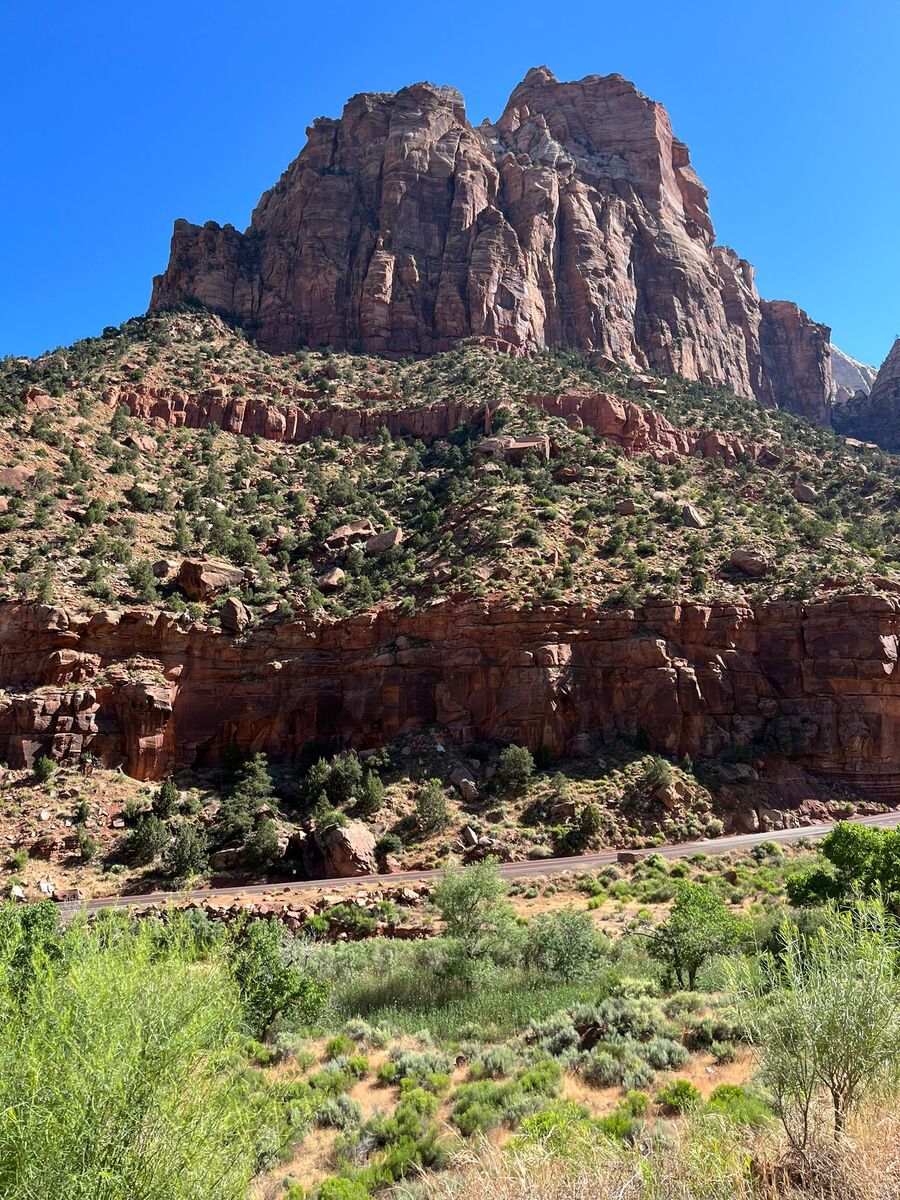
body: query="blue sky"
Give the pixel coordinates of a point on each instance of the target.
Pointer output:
(118, 118)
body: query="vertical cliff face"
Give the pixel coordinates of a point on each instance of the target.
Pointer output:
(876, 417)
(575, 220)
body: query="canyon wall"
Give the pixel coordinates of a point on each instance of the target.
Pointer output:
(151, 691)
(575, 220)
(876, 417)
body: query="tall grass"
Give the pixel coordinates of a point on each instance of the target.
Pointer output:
(709, 1161)
(112, 1073)
(408, 986)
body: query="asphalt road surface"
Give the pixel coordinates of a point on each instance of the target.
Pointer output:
(513, 870)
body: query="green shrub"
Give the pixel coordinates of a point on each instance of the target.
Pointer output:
(664, 1053)
(563, 945)
(88, 848)
(432, 813)
(44, 769)
(679, 1096)
(738, 1105)
(272, 987)
(147, 840)
(339, 1112)
(515, 769)
(494, 1063)
(165, 803)
(157, 1117)
(340, 1045)
(188, 853)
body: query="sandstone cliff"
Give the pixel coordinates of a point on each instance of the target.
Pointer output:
(149, 691)
(876, 417)
(575, 220)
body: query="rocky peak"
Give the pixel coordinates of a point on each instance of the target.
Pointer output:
(875, 417)
(575, 220)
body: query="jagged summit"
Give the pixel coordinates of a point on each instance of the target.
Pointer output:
(574, 220)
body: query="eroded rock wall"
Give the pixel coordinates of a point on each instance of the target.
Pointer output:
(150, 691)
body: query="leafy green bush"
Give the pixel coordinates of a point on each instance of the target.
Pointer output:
(740, 1106)
(679, 1096)
(515, 769)
(271, 987)
(188, 853)
(664, 1053)
(564, 944)
(432, 813)
(146, 841)
(340, 1045)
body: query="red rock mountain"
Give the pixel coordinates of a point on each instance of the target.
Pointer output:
(575, 220)
(876, 417)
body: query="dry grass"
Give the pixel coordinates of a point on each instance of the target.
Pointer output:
(708, 1162)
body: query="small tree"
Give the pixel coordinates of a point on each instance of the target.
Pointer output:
(148, 839)
(863, 859)
(44, 769)
(432, 813)
(251, 791)
(515, 769)
(371, 795)
(563, 944)
(142, 581)
(824, 1014)
(473, 905)
(270, 985)
(262, 845)
(699, 927)
(165, 802)
(188, 854)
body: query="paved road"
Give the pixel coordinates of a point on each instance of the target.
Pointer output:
(513, 870)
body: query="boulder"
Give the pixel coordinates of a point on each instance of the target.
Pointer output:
(331, 581)
(514, 449)
(352, 534)
(751, 562)
(691, 517)
(469, 836)
(625, 508)
(201, 579)
(234, 616)
(347, 850)
(382, 542)
(464, 782)
(804, 493)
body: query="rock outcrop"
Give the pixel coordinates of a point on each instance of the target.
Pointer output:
(637, 429)
(819, 681)
(575, 220)
(876, 417)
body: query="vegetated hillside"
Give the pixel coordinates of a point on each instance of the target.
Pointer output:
(94, 497)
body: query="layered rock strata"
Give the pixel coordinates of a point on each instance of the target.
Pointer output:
(634, 427)
(149, 691)
(575, 220)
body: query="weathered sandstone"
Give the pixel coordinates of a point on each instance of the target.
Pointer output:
(820, 679)
(575, 220)
(632, 426)
(876, 417)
